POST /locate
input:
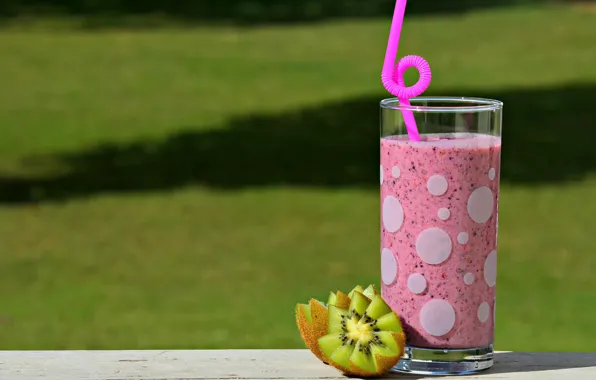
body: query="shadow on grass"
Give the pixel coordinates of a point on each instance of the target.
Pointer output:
(107, 13)
(548, 138)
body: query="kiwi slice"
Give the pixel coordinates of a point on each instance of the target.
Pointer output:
(312, 319)
(359, 304)
(342, 300)
(330, 342)
(357, 288)
(336, 317)
(389, 322)
(312, 323)
(356, 344)
(332, 298)
(377, 308)
(305, 310)
(370, 291)
(341, 356)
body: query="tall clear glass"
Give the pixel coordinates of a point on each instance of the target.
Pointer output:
(439, 205)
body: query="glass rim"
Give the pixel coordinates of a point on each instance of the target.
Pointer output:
(460, 104)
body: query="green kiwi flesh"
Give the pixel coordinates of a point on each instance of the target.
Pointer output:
(377, 308)
(357, 288)
(362, 358)
(306, 307)
(355, 338)
(370, 291)
(306, 310)
(389, 345)
(335, 318)
(332, 299)
(389, 322)
(330, 343)
(359, 304)
(341, 356)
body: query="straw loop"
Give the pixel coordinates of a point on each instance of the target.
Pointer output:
(395, 83)
(392, 75)
(423, 81)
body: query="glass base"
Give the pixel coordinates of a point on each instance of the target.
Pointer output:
(436, 361)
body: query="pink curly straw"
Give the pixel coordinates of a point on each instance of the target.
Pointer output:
(393, 76)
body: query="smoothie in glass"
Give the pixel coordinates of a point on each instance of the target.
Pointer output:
(439, 203)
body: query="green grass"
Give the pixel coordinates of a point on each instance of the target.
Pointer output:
(175, 188)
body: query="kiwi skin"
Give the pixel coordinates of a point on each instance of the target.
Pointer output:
(343, 300)
(313, 330)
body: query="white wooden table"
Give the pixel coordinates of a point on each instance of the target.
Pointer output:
(255, 364)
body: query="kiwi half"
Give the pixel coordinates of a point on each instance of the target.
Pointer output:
(312, 319)
(365, 339)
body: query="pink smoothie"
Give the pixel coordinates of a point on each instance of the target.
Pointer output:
(439, 203)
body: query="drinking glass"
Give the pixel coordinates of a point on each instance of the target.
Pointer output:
(439, 214)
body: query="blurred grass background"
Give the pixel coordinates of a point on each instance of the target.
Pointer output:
(181, 178)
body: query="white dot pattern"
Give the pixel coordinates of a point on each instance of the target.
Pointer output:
(395, 172)
(481, 204)
(463, 237)
(416, 283)
(469, 278)
(444, 213)
(433, 245)
(490, 269)
(393, 214)
(483, 312)
(437, 317)
(437, 185)
(389, 267)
